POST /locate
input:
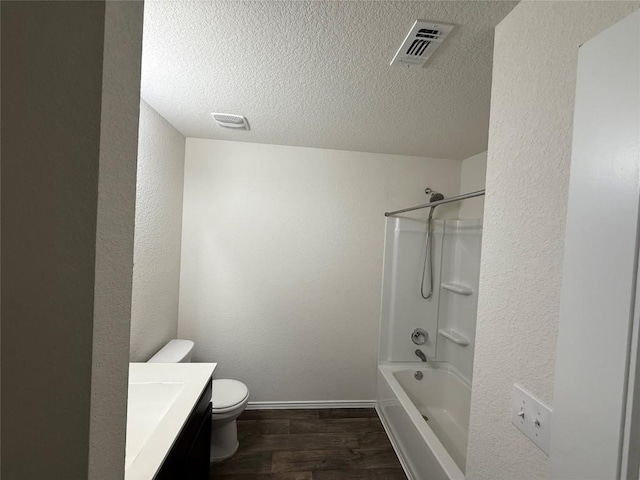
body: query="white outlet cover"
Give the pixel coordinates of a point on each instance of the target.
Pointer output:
(536, 421)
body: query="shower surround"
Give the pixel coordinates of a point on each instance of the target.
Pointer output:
(425, 406)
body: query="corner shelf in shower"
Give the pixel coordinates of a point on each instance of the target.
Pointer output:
(457, 288)
(454, 336)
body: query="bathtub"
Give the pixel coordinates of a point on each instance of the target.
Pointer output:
(427, 420)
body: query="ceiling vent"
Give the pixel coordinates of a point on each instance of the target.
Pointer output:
(228, 120)
(422, 40)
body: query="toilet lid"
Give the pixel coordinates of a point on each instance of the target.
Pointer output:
(227, 393)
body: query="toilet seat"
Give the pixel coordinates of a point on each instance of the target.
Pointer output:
(228, 395)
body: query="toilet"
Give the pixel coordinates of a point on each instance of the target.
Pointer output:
(228, 401)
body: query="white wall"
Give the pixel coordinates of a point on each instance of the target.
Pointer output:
(156, 271)
(601, 286)
(282, 261)
(473, 178)
(530, 133)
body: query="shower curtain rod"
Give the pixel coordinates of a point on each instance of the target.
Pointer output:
(436, 203)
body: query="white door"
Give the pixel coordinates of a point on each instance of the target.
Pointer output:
(600, 260)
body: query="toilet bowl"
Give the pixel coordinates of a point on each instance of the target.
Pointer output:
(228, 401)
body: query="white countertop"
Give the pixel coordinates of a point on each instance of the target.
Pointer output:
(161, 398)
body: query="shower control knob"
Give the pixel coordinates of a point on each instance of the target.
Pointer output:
(419, 336)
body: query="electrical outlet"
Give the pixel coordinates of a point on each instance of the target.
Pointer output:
(531, 417)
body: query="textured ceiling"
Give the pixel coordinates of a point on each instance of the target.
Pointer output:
(317, 74)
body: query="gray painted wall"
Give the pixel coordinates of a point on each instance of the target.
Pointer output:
(67, 243)
(114, 241)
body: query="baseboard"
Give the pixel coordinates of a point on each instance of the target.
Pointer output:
(394, 444)
(312, 404)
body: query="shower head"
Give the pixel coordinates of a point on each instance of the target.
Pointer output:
(435, 196)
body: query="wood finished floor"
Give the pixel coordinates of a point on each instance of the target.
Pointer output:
(325, 444)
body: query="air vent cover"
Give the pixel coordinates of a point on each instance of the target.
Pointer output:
(422, 40)
(229, 120)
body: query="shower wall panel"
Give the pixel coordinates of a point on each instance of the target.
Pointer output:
(449, 316)
(403, 308)
(457, 313)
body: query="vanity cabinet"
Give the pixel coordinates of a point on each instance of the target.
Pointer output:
(189, 455)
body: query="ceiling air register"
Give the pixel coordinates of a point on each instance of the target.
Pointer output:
(229, 120)
(422, 40)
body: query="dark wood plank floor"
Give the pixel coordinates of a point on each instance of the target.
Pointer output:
(325, 444)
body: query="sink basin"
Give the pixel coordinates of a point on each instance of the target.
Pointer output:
(147, 404)
(161, 398)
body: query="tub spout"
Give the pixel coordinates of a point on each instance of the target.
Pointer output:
(421, 355)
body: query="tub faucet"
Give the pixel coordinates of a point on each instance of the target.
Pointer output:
(421, 355)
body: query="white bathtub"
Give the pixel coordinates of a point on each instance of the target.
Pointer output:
(434, 449)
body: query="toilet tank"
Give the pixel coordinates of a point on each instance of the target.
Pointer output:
(176, 351)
